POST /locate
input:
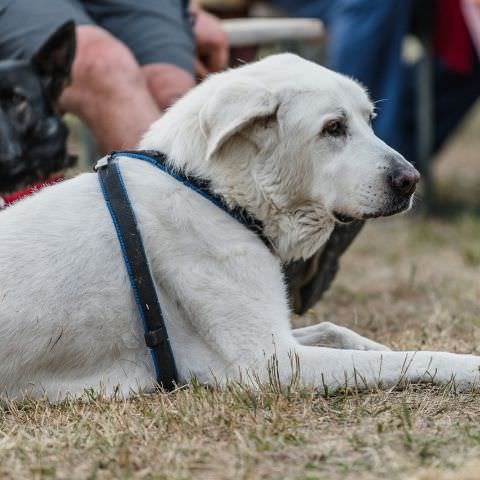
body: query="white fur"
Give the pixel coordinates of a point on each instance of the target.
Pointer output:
(68, 320)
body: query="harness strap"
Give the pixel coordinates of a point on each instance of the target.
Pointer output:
(139, 274)
(130, 239)
(199, 185)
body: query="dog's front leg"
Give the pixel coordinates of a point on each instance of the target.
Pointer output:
(248, 342)
(333, 368)
(327, 334)
(330, 369)
(243, 317)
(246, 339)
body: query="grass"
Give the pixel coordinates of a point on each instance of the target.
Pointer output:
(426, 299)
(411, 282)
(234, 433)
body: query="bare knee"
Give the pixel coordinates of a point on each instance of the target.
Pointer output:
(104, 70)
(167, 83)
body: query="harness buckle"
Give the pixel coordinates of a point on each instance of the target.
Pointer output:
(102, 163)
(154, 338)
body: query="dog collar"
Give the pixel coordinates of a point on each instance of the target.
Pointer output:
(135, 258)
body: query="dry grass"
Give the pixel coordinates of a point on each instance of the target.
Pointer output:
(200, 433)
(410, 282)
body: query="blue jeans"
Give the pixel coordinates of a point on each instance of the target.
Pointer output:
(364, 42)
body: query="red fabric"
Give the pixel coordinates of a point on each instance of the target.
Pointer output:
(451, 38)
(13, 197)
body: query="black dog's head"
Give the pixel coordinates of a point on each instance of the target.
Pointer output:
(32, 134)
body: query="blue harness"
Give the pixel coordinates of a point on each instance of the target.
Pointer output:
(135, 258)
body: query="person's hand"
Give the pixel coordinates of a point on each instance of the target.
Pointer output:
(211, 43)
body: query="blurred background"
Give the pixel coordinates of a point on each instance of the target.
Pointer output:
(418, 59)
(420, 62)
(411, 281)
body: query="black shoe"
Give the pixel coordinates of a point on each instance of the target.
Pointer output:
(309, 280)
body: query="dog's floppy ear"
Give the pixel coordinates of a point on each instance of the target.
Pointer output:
(54, 59)
(232, 108)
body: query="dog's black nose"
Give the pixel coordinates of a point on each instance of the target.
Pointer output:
(404, 180)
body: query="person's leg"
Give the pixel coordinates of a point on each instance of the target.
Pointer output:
(365, 40)
(26, 25)
(159, 34)
(167, 83)
(109, 91)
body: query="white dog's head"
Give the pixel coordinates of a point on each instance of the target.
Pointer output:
(291, 142)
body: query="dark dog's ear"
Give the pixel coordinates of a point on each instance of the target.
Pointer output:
(54, 59)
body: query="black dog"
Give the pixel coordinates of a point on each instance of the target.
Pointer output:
(32, 134)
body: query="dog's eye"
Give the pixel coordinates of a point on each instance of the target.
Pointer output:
(16, 102)
(371, 117)
(334, 128)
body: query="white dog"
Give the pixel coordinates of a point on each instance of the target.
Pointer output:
(286, 139)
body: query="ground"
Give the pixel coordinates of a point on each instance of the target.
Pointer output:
(411, 282)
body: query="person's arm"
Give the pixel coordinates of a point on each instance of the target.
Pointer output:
(210, 40)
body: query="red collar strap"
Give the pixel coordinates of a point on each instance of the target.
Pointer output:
(14, 197)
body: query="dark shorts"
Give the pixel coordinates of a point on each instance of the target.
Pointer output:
(156, 31)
